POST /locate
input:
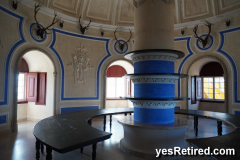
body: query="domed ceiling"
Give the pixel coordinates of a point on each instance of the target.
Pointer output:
(120, 12)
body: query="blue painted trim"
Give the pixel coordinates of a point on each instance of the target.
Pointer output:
(177, 107)
(22, 40)
(54, 31)
(73, 109)
(3, 119)
(237, 112)
(32, 35)
(115, 44)
(184, 60)
(208, 46)
(231, 60)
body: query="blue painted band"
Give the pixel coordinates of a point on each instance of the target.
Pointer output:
(3, 119)
(231, 60)
(237, 112)
(177, 107)
(54, 31)
(157, 116)
(73, 109)
(154, 90)
(22, 40)
(154, 66)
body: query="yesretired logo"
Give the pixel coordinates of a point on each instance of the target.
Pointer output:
(190, 151)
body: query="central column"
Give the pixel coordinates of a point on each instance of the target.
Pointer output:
(153, 29)
(154, 25)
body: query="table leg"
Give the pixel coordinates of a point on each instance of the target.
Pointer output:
(104, 123)
(42, 147)
(90, 122)
(49, 153)
(219, 126)
(110, 122)
(37, 149)
(82, 150)
(94, 148)
(196, 125)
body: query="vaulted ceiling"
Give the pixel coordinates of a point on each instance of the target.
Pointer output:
(120, 12)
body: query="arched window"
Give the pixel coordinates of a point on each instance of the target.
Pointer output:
(23, 70)
(213, 81)
(116, 85)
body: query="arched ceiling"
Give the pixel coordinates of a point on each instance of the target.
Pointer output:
(120, 12)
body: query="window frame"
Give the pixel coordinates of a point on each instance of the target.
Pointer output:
(212, 100)
(115, 98)
(22, 101)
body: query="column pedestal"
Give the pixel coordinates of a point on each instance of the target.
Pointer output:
(142, 139)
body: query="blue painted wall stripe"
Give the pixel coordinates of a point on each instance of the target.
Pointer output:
(3, 119)
(184, 60)
(231, 60)
(62, 66)
(4, 102)
(73, 109)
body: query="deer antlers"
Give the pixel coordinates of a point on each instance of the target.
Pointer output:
(41, 30)
(205, 40)
(83, 29)
(122, 45)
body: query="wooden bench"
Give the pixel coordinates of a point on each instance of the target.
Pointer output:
(69, 131)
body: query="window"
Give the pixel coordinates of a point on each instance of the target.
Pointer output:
(213, 88)
(22, 87)
(116, 84)
(210, 85)
(22, 78)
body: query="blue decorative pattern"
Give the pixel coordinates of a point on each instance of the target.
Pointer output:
(22, 40)
(73, 109)
(62, 66)
(3, 119)
(159, 116)
(231, 60)
(184, 60)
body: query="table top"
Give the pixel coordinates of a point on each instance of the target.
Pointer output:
(70, 131)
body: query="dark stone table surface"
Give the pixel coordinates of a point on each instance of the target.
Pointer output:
(70, 131)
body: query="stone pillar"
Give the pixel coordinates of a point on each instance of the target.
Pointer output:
(154, 78)
(154, 25)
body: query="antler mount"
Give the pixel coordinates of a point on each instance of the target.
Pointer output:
(122, 44)
(41, 30)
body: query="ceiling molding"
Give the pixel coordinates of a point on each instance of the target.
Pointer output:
(68, 10)
(198, 15)
(119, 14)
(230, 6)
(73, 20)
(102, 19)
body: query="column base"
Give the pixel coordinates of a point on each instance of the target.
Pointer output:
(142, 139)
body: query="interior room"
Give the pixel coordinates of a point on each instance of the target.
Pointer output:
(155, 62)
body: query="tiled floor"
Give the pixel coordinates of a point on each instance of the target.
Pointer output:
(21, 145)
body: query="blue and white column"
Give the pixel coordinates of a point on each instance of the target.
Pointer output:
(154, 79)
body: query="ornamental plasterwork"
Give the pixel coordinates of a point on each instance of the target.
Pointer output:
(80, 65)
(169, 1)
(138, 3)
(154, 80)
(137, 58)
(154, 104)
